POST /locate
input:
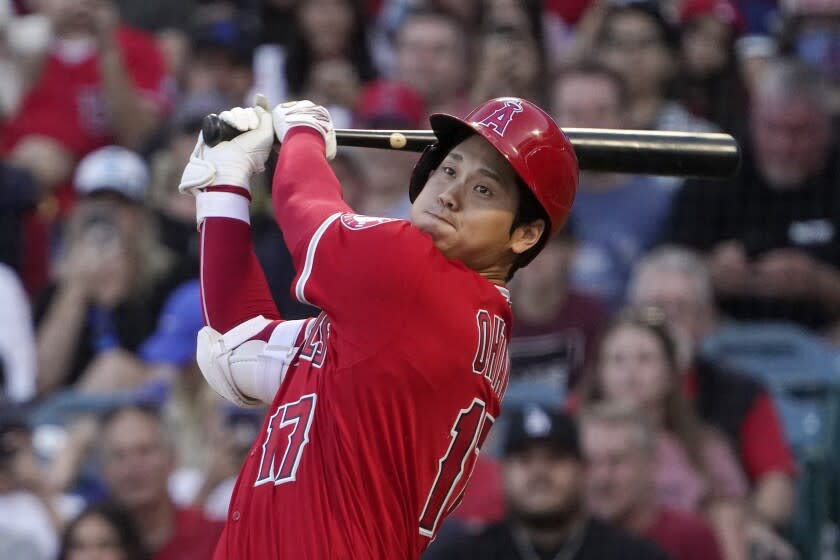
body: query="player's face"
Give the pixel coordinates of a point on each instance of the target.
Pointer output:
(541, 484)
(468, 206)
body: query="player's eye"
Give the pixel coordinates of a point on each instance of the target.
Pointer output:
(448, 170)
(483, 190)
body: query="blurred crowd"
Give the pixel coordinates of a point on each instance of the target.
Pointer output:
(675, 380)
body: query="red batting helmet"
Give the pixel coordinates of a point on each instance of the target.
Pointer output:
(526, 136)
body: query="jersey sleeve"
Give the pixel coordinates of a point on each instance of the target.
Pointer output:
(355, 268)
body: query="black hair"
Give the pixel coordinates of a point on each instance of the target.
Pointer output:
(120, 521)
(668, 32)
(299, 61)
(528, 210)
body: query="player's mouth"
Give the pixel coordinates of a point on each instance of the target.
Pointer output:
(439, 218)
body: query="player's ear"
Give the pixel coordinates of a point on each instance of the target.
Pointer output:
(525, 236)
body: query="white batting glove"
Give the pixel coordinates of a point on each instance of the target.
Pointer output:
(304, 113)
(232, 162)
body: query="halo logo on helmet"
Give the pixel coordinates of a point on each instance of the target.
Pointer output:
(499, 120)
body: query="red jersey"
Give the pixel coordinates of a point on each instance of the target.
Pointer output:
(376, 427)
(67, 103)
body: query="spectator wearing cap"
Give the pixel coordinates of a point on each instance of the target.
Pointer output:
(138, 458)
(555, 325)
(710, 82)
(222, 59)
(110, 283)
(98, 82)
(615, 217)
(543, 473)
(619, 446)
(387, 105)
(636, 40)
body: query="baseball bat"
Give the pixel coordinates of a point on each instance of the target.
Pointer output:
(642, 152)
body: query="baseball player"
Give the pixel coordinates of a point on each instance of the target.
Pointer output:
(379, 406)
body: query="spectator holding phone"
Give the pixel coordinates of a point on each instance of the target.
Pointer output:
(110, 284)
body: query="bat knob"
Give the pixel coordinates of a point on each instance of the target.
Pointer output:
(215, 130)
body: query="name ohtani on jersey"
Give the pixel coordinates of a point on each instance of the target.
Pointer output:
(491, 355)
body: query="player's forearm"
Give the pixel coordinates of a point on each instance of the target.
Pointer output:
(306, 191)
(133, 118)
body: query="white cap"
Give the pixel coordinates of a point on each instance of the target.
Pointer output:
(112, 169)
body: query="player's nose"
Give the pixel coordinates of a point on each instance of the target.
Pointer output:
(449, 198)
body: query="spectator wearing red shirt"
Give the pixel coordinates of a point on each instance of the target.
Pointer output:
(137, 462)
(619, 447)
(677, 281)
(555, 325)
(98, 83)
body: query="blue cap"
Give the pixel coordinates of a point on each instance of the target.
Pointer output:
(174, 340)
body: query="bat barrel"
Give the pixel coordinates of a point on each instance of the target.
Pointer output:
(682, 154)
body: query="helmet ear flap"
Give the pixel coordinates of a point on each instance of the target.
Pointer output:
(429, 160)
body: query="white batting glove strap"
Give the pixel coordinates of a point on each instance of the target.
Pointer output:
(232, 162)
(305, 113)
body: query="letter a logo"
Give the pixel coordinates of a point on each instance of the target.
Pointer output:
(499, 120)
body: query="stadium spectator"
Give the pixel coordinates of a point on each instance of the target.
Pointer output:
(18, 199)
(810, 30)
(615, 217)
(210, 437)
(99, 82)
(544, 473)
(512, 58)
(329, 67)
(709, 83)
(387, 105)
(619, 446)
(103, 531)
(555, 326)
(17, 340)
(137, 460)
(770, 235)
(110, 284)
(677, 281)
(695, 469)
(221, 57)
(175, 214)
(431, 53)
(30, 517)
(637, 41)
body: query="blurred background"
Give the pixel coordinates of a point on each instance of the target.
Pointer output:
(690, 329)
